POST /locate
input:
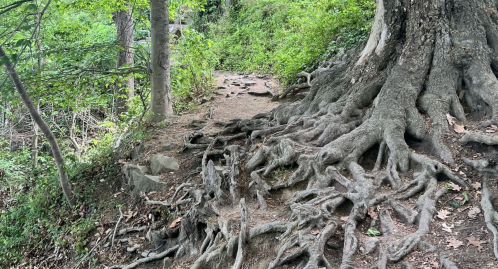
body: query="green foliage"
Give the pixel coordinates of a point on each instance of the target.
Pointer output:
(286, 37)
(192, 72)
(465, 198)
(12, 166)
(373, 232)
(36, 218)
(68, 68)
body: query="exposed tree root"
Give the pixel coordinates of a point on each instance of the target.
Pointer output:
(372, 114)
(479, 137)
(490, 215)
(149, 259)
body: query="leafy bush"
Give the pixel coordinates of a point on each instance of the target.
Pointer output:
(192, 69)
(36, 218)
(285, 37)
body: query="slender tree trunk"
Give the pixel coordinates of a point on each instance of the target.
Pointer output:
(59, 161)
(124, 28)
(160, 78)
(40, 62)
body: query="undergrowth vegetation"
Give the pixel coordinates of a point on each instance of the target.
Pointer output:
(192, 73)
(285, 37)
(35, 218)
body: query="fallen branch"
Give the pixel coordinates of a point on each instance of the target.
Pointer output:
(131, 229)
(151, 202)
(148, 259)
(116, 228)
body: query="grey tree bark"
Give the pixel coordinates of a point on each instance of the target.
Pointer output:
(125, 34)
(54, 146)
(161, 105)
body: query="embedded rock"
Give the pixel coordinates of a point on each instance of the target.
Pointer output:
(137, 151)
(371, 245)
(147, 183)
(162, 164)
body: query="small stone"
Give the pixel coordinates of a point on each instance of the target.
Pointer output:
(204, 100)
(222, 87)
(169, 146)
(236, 84)
(250, 83)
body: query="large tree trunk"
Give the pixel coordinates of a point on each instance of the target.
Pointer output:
(124, 29)
(423, 61)
(54, 146)
(160, 66)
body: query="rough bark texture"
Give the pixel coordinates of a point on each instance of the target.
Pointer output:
(124, 30)
(342, 150)
(160, 64)
(54, 146)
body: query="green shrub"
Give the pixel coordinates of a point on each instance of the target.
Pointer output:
(285, 37)
(192, 69)
(36, 218)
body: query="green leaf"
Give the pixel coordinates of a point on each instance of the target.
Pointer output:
(465, 198)
(14, 57)
(31, 7)
(26, 27)
(23, 42)
(373, 232)
(4, 60)
(447, 186)
(454, 204)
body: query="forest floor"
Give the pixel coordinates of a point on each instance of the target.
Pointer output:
(235, 97)
(458, 229)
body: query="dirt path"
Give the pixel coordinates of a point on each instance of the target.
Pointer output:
(235, 97)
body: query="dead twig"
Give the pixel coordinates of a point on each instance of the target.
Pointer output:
(116, 228)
